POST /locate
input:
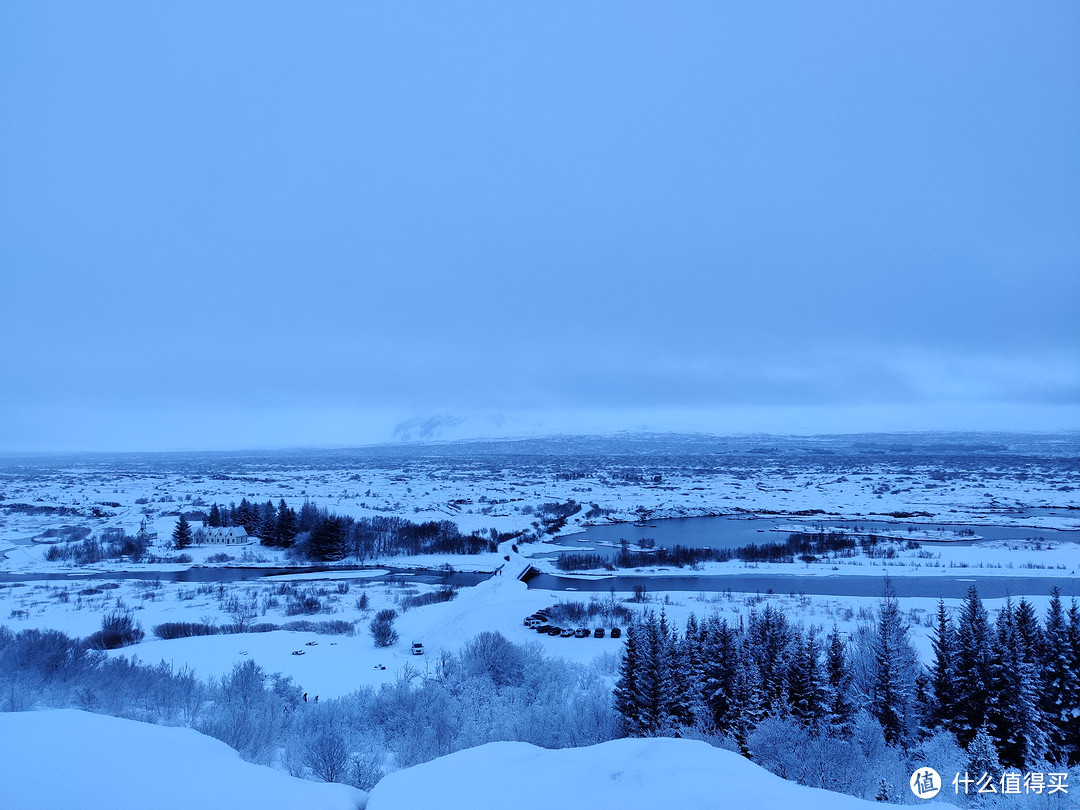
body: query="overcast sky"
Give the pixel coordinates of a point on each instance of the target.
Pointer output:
(229, 224)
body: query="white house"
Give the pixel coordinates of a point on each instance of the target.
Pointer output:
(225, 535)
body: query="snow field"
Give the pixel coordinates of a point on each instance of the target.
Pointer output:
(69, 758)
(616, 775)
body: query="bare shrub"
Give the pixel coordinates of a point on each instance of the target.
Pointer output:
(117, 630)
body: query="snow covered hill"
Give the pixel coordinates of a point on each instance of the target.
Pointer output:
(69, 758)
(654, 773)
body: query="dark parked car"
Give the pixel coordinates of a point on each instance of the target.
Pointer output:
(616, 632)
(543, 628)
(555, 631)
(598, 632)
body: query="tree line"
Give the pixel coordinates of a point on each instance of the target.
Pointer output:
(317, 534)
(805, 546)
(1006, 693)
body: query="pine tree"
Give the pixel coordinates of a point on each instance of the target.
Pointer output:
(214, 519)
(940, 710)
(627, 691)
(891, 698)
(982, 755)
(687, 676)
(1013, 715)
(1072, 693)
(806, 694)
(326, 540)
(1060, 691)
(267, 523)
(972, 668)
(719, 668)
(769, 643)
(749, 697)
(658, 683)
(1027, 625)
(247, 515)
(307, 518)
(181, 535)
(285, 529)
(839, 712)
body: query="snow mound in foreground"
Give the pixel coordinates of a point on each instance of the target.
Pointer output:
(69, 758)
(614, 775)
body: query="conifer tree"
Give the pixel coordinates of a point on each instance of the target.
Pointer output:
(1060, 690)
(720, 656)
(247, 515)
(687, 677)
(285, 528)
(326, 540)
(982, 755)
(214, 518)
(267, 523)
(181, 535)
(805, 682)
(1016, 720)
(749, 697)
(891, 695)
(972, 668)
(940, 709)
(839, 710)
(627, 692)
(1072, 696)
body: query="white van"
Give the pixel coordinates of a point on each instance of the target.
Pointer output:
(417, 648)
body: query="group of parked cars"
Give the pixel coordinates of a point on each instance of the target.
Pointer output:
(539, 622)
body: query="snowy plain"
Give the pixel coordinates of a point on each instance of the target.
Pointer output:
(1028, 482)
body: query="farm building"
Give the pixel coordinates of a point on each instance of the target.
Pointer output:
(225, 535)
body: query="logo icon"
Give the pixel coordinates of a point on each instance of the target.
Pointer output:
(925, 783)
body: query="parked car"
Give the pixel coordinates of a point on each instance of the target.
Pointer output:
(598, 632)
(567, 633)
(616, 632)
(417, 648)
(555, 631)
(581, 632)
(542, 628)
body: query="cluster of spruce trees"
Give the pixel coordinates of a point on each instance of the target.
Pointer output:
(1014, 681)
(321, 535)
(273, 525)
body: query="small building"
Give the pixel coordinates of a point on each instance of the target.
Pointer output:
(225, 535)
(146, 533)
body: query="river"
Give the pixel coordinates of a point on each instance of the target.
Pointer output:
(735, 532)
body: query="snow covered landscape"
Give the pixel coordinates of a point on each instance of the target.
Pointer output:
(539, 405)
(219, 610)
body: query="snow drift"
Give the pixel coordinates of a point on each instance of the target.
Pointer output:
(610, 776)
(70, 758)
